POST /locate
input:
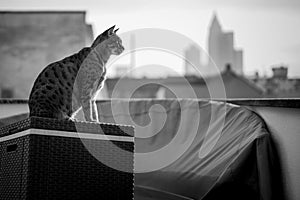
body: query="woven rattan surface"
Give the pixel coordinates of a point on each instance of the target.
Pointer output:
(56, 167)
(64, 125)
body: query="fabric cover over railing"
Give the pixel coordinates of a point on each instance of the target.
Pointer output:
(227, 151)
(192, 149)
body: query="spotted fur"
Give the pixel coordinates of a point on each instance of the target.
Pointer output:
(65, 86)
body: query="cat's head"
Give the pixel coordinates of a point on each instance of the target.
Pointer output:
(111, 40)
(114, 44)
(104, 36)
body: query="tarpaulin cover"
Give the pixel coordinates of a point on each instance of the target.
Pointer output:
(190, 149)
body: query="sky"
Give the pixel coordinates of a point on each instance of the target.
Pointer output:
(268, 31)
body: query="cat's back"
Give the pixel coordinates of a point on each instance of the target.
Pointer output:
(60, 73)
(54, 74)
(52, 91)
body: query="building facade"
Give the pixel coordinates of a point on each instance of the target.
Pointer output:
(279, 85)
(192, 61)
(31, 40)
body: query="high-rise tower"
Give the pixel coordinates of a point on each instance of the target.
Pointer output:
(192, 62)
(221, 48)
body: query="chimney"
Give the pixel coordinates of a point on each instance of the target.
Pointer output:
(228, 67)
(132, 55)
(280, 72)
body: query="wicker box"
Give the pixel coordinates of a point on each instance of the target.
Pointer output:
(49, 159)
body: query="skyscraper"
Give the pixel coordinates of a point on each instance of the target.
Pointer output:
(221, 48)
(192, 62)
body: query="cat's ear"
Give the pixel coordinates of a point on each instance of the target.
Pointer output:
(116, 30)
(103, 36)
(111, 30)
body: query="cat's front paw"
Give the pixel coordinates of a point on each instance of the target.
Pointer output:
(94, 117)
(95, 120)
(73, 119)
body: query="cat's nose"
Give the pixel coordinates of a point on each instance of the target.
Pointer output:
(122, 49)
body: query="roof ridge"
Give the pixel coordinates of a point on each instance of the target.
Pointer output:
(245, 80)
(42, 11)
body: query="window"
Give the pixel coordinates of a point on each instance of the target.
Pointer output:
(7, 93)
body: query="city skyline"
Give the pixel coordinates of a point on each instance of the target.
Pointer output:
(267, 31)
(221, 49)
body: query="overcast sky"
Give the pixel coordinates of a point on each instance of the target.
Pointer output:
(267, 30)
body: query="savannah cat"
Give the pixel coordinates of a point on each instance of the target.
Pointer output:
(65, 86)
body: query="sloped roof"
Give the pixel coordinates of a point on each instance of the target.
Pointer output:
(243, 79)
(44, 12)
(226, 76)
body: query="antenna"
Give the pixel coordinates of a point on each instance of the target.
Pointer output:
(132, 55)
